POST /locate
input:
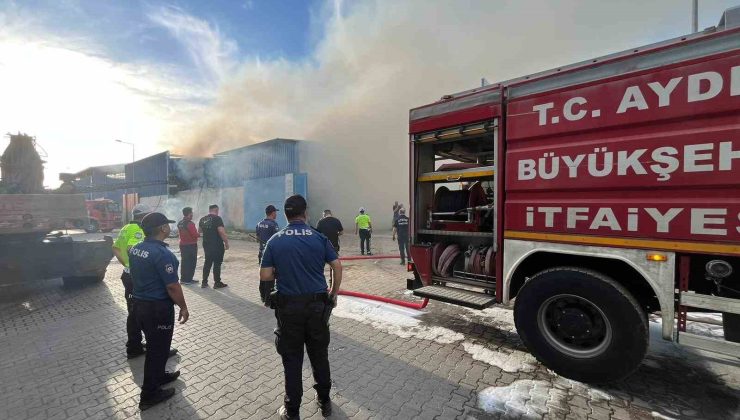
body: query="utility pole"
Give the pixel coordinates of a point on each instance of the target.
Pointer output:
(694, 16)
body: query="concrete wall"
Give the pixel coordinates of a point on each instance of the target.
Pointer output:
(232, 207)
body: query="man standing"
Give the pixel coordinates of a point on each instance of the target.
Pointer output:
(154, 275)
(130, 235)
(215, 244)
(401, 228)
(265, 229)
(365, 227)
(296, 256)
(188, 245)
(332, 228)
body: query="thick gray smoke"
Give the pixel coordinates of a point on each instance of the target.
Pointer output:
(379, 58)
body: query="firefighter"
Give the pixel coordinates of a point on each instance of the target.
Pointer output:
(401, 228)
(156, 288)
(188, 245)
(215, 244)
(295, 258)
(265, 229)
(364, 225)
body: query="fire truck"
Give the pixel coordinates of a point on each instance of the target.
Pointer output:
(589, 196)
(102, 215)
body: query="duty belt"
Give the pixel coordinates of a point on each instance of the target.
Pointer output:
(321, 297)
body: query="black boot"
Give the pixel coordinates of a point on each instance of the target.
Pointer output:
(283, 414)
(160, 395)
(324, 406)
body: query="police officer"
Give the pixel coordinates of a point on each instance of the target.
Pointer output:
(265, 229)
(294, 258)
(130, 235)
(156, 287)
(401, 228)
(364, 225)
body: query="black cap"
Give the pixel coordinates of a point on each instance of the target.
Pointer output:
(269, 209)
(154, 220)
(295, 205)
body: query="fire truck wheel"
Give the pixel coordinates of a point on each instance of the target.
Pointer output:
(92, 226)
(581, 324)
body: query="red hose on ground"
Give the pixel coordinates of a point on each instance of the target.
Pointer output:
(367, 257)
(383, 299)
(398, 302)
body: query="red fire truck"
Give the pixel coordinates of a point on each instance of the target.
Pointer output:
(589, 196)
(102, 214)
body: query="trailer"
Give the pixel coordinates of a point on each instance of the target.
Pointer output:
(589, 196)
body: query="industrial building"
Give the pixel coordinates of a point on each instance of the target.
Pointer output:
(242, 181)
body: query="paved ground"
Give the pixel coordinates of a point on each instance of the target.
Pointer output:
(63, 358)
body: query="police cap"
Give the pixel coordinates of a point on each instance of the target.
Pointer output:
(295, 205)
(269, 209)
(154, 220)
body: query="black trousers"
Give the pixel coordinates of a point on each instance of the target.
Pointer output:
(214, 258)
(157, 319)
(189, 256)
(133, 331)
(364, 238)
(403, 247)
(303, 321)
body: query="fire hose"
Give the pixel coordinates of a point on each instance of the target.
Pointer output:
(398, 302)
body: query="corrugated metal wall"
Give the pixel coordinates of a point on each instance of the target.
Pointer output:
(100, 177)
(259, 193)
(154, 168)
(262, 160)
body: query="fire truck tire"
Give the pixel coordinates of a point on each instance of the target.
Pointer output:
(581, 324)
(92, 226)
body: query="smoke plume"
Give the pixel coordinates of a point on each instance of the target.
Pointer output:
(377, 59)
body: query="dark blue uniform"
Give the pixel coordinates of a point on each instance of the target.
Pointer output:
(153, 267)
(298, 253)
(402, 230)
(265, 229)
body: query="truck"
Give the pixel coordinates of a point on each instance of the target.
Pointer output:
(29, 214)
(102, 215)
(589, 197)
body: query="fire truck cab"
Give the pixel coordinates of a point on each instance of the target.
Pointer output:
(102, 215)
(589, 196)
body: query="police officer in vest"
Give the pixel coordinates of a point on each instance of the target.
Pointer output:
(295, 258)
(265, 229)
(130, 235)
(156, 288)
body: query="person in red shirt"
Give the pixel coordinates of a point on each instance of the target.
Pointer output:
(188, 246)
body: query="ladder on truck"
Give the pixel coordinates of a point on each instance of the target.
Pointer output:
(687, 299)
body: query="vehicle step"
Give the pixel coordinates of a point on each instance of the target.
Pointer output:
(709, 344)
(456, 296)
(714, 303)
(488, 285)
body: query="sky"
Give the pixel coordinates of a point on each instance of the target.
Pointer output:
(198, 77)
